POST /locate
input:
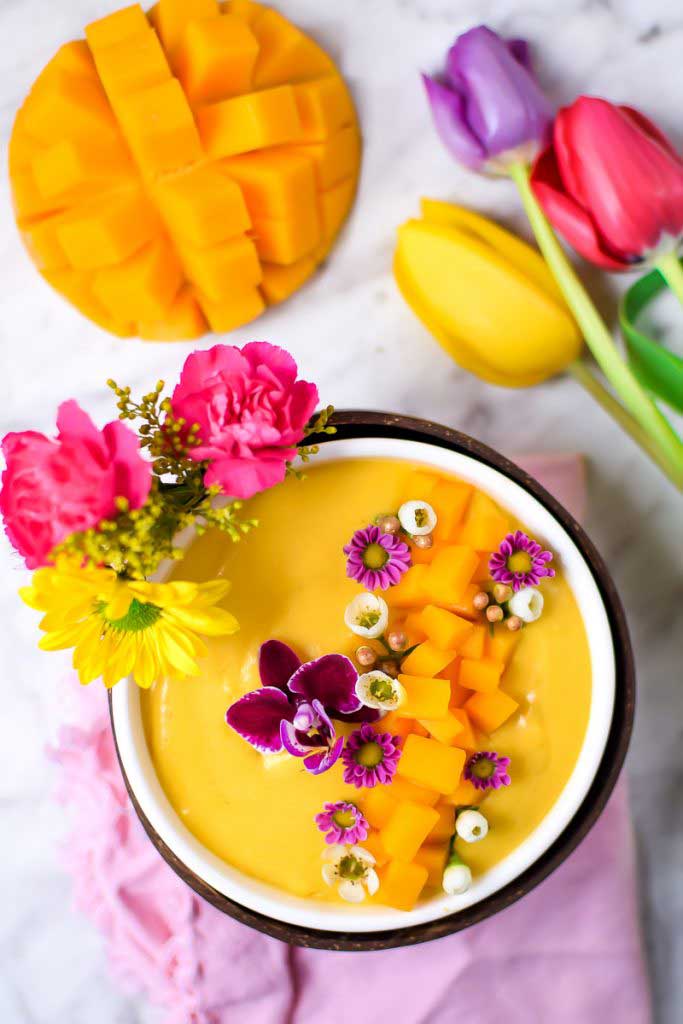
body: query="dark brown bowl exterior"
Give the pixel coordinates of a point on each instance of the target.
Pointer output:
(372, 424)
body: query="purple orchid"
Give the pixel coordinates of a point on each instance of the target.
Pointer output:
(294, 707)
(488, 107)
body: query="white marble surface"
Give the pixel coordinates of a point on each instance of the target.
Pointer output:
(350, 331)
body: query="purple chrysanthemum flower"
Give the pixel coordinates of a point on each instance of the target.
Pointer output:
(487, 770)
(520, 562)
(370, 757)
(377, 560)
(343, 823)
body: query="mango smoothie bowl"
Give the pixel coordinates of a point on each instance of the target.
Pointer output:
(425, 709)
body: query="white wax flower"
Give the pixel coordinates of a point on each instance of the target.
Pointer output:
(417, 518)
(351, 869)
(471, 826)
(457, 878)
(526, 604)
(378, 690)
(367, 615)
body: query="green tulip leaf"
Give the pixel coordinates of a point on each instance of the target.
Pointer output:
(657, 369)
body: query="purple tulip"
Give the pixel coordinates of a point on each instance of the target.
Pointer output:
(488, 107)
(295, 704)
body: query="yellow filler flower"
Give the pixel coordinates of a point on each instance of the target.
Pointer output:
(123, 627)
(485, 295)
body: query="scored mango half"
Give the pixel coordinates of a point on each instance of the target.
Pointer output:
(485, 295)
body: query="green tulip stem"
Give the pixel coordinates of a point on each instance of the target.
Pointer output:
(669, 267)
(663, 438)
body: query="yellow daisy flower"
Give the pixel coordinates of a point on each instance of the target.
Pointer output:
(126, 627)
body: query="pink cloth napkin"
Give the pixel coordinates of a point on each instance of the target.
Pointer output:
(569, 953)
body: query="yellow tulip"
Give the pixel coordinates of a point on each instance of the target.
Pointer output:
(485, 295)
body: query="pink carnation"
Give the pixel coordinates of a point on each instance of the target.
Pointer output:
(251, 411)
(53, 488)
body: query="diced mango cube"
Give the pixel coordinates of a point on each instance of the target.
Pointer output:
(445, 826)
(482, 573)
(410, 590)
(203, 207)
(466, 795)
(488, 711)
(419, 485)
(216, 58)
(430, 763)
(466, 739)
(433, 858)
(407, 829)
(42, 241)
(285, 53)
(287, 240)
(401, 789)
(334, 206)
(184, 319)
(394, 724)
(173, 16)
(77, 104)
(419, 729)
(427, 659)
(142, 287)
(253, 121)
(424, 556)
(159, 128)
(401, 884)
(501, 644)
(76, 286)
(75, 57)
(335, 159)
(446, 630)
(484, 526)
(276, 183)
(100, 234)
(244, 304)
(377, 804)
(473, 644)
(483, 675)
(280, 281)
(412, 626)
(447, 730)
(65, 168)
(247, 10)
(464, 605)
(373, 844)
(449, 573)
(116, 27)
(132, 64)
(425, 697)
(449, 499)
(324, 106)
(216, 269)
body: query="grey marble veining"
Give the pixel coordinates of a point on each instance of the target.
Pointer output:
(350, 330)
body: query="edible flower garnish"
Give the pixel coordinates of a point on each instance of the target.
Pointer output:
(295, 704)
(367, 615)
(379, 690)
(526, 604)
(417, 518)
(471, 826)
(352, 870)
(457, 877)
(520, 562)
(376, 560)
(343, 823)
(487, 770)
(370, 757)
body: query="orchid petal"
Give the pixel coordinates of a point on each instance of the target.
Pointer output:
(277, 664)
(322, 761)
(331, 680)
(295, 741)
(256, 717)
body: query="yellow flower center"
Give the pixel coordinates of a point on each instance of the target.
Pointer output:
(344, 819)
(140, 616)
(374, 556)
(519, 562)
(370, 755)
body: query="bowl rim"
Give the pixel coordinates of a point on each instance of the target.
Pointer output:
(359, 424)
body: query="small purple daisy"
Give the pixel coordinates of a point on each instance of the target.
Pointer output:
(487, 770)
(377, 560)
(370, 757)
(343, 823)
(520, 562)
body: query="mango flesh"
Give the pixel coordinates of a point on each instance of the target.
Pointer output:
(235, 131)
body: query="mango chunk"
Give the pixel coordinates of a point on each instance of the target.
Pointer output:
(433, 859)
(447, 730)
(216, 58)
(324, 106)
(203, 207)
(407, 829)
(244, 305)
(419, 485)
(76, 286)
(182, 320)
(427, 659)
(424, 556)
(425, 697)
(65, 170)
(464, 605)
(401, 789)
(410, 590)
(275, 183)
(412, 626)
(449, 573)
(465, 739)
(419, 729)
(401, 884)
(253, 121)
(279, 281)
(501, 644)
(42, 243)
(446, 630)
(482, 573)
(133, 64)
(466, 795)
(142, 287)
(287, 240)
(77, 104)
(116, 27)
(335, 159)
(483, 675)
(247, 10)
(377, 804)
(335, 204)
(159, 128)
(484, 526)
(99, 235)
(173, 16)
(217, 269)
(449, 499)
(285, 53)
(373, 844)
(488, 711)
(394, 724)
(432, 764)
(445, 826)
(473, 644)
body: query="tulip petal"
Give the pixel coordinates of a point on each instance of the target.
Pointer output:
(277, 664)
(331, 680)
(256, 717)
(448, 111)
(570, 219)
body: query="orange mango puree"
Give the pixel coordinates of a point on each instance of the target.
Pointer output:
(288, 582)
